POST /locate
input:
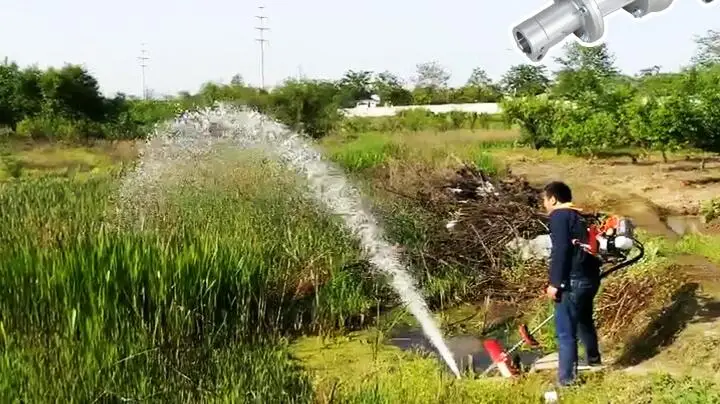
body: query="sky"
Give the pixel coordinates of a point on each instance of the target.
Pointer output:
(190, 42)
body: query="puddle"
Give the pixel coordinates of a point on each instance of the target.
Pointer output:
(465, 348)
(684, 225)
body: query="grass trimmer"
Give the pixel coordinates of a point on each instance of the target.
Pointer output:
(611, 241)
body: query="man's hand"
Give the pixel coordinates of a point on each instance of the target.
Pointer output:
(551, 292)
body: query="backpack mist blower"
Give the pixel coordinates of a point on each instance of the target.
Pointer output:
(610, 241)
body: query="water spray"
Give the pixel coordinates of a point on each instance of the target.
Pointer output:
(584, 18)
(194, 134)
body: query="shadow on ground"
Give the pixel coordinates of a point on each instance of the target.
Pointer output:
(687, 307)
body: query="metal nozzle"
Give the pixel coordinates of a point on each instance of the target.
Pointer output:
(536, 35)
(584, 18)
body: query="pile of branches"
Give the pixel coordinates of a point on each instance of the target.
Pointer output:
(483, 217)
(478, 216)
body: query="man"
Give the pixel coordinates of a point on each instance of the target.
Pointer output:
(574, 281)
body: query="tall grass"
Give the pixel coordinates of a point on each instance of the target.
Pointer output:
(360, 152)
(112, 309)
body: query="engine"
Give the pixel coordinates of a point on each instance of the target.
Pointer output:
(615, 236)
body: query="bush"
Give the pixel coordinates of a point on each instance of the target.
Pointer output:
(617, 116)
(307, 106)
(536, 117)
(420, 119)
(710, 210)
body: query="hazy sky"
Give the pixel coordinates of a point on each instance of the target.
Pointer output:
(194, 41)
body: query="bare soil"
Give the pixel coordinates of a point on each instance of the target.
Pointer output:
(649, 191)
(683, 337)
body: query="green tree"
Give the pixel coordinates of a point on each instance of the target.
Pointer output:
(73, 93)
(9, 78)
(708, 48)
(29, 93)
(432, 75)
(479, 78)
(390, 89)
(310, 106)
(536, 117)
(584, 69)
(237, 80)
(479, 88)
(526, 80)
(599, 59)
(431, 84)
(667, 124)
(355, 86)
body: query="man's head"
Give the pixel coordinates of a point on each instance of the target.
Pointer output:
(556, 193)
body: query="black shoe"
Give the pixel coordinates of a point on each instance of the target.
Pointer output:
(593, 362)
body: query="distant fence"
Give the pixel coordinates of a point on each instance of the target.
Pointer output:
(480, 108)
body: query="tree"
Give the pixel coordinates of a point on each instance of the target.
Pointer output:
(390, 89)
(432, 75)
(598, 59)
(73, 93)
(9, 78)
(355, 86)
(584, 69)
(525, 80)
(307, 105)
(667, 125)
(479, 78)
(708, 49)
(237, 80)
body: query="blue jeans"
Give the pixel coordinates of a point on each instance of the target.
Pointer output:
(573, 319)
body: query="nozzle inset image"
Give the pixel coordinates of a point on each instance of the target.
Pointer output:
(584, 18)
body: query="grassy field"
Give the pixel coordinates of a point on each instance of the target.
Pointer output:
(237, 288)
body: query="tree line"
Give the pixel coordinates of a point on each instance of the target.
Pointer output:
(66, 103)
(592, 109)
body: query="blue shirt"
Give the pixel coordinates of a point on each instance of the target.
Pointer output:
(568, 261)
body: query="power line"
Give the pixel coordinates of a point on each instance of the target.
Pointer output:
(261, 30)
(143, 58)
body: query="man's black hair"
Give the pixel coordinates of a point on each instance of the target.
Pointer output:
(559, 190)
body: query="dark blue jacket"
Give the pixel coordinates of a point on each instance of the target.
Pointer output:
(568, 261)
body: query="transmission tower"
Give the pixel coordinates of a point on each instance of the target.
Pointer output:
(143, 58)
(261, 40)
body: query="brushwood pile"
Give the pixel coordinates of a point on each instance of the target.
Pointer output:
(482, 217)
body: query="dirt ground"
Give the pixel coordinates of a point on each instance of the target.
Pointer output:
(684, 337)
(650, 191)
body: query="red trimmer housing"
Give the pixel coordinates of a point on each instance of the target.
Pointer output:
(501, 359)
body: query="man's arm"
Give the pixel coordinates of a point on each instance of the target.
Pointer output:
(560, 257)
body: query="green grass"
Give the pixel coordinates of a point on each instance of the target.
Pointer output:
(200, 294)
(360, 152)
(18, 159)
(356, 369)
(703, 245)
(215, 270)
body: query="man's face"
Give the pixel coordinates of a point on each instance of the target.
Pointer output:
(549, 202)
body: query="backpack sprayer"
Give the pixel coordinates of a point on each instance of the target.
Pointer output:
(610, 241)
(584, 18)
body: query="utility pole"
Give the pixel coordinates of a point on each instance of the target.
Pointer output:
(261, 30)
(143, 58)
